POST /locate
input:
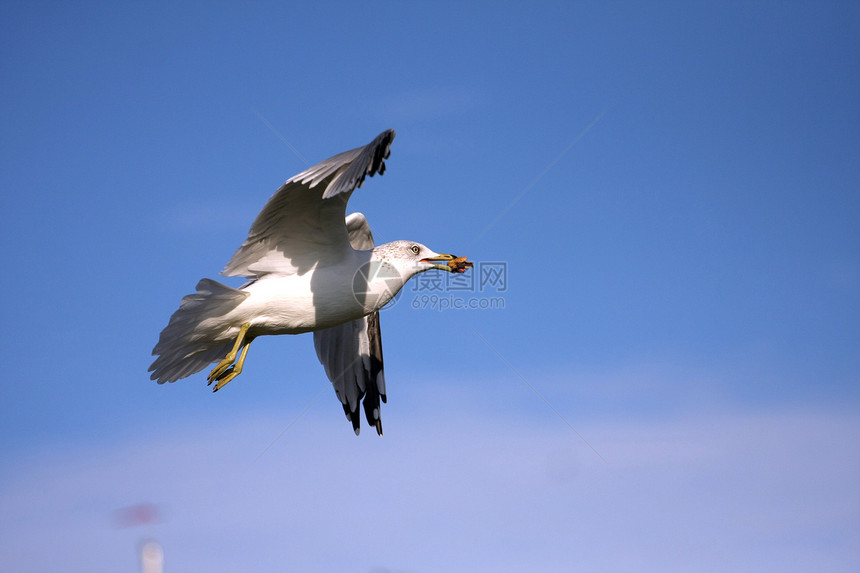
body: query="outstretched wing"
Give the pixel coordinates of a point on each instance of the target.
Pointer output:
(352, 352)
(302, 224)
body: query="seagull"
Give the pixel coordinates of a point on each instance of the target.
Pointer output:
(310, 268)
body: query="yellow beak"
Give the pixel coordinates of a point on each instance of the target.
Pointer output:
(459, 264)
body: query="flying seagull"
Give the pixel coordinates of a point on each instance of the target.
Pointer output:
(311, 268)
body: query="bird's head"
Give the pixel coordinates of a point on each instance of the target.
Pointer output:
(411, 258)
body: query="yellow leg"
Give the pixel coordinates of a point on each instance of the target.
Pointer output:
(231, 356)
(228, 375)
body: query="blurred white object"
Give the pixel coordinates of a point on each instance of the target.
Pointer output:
(151, 557)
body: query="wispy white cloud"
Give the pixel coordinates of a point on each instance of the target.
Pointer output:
(740, 492)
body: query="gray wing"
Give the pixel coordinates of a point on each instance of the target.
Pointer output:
(352, 352)
(302, 224)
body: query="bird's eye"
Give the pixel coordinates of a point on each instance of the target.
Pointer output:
(416, 249)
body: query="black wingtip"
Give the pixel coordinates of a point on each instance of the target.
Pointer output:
(369, 162)
(353, 417)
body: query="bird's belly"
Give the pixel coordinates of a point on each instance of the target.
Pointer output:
(297, 304)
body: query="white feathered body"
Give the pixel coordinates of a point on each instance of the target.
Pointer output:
(290, 304)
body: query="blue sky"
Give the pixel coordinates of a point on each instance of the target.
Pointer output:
(672, 188)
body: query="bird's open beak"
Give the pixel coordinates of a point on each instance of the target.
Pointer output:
(454, 264)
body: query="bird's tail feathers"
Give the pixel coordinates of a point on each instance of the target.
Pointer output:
(182, 348)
